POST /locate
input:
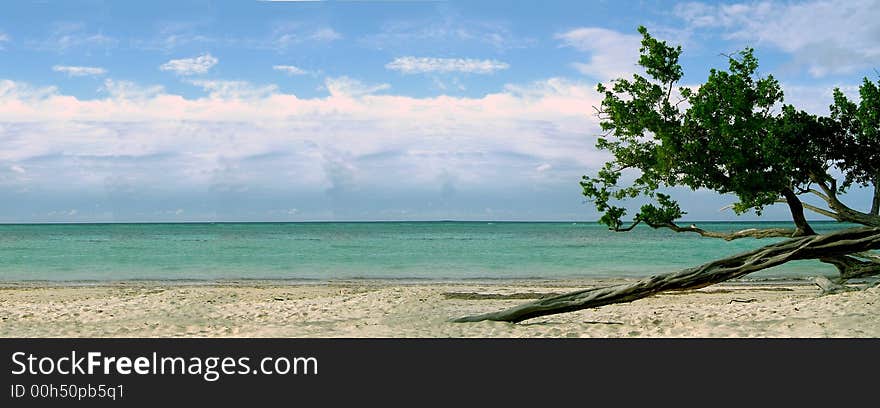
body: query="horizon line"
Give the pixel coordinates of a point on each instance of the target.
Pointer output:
(382, 221)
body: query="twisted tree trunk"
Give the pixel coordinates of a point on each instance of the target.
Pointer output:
(875, 202)
(797, 214)
(839, 210)
(852, 268)
(831, 245)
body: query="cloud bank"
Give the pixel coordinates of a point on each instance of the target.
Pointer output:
(243, 138)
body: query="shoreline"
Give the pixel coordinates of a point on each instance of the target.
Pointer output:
(383, 308)
(258, 282)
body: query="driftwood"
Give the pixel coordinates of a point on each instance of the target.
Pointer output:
(829, 288)
(727, 236)
(831, 245)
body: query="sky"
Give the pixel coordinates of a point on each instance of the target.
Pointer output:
(168, 111)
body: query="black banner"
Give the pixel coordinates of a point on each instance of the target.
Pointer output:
(332, 372)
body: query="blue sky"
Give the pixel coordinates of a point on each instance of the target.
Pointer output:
(361, 110)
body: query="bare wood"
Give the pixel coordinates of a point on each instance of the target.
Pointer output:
(868, 255)
(730, 236)
(831, 245)
(852, 268)
(830, 214)
(816, 192)
(829, 288)
(627, 229)
(796, 208)
(727, 236)
(875, 202)
(813, 208)
(842, 211)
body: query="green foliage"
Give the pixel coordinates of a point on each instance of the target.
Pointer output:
(732, 134)
(855, 147)
(660, 61)
(667, 212)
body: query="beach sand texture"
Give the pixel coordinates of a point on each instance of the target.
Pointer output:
(392, 309)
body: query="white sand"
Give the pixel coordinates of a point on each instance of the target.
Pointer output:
(386, 309)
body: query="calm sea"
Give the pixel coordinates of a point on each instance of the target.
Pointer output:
(380, 250)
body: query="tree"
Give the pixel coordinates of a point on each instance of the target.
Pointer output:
(733, 135)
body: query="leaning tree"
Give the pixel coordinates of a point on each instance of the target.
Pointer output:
(733, 135)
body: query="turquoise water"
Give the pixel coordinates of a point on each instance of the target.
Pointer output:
(386, 250)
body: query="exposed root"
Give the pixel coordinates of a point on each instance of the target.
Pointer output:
(831, 245)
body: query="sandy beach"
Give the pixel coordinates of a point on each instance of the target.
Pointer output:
(395, 309)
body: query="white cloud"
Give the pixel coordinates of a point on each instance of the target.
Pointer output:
(352, 140)
(325, 34)
(291, 34)
(698, 15)
(13, 177)
(420, 65)
(64, 37)
(345, 86)
(4, 38)
(129, 101)
(825, 36)
(191, 34)
(574, 90)
(190, 66)
(174, 34)
(400, 35)
(612, 54)
(444, 86)
(235, 89)
(816, 98)
(127, 90)
(75, 71)
(13, 90)
(290, 69)
(69, 213)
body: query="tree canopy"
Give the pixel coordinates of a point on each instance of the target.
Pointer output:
(733, 134)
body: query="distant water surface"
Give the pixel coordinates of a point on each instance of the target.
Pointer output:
(373, 250)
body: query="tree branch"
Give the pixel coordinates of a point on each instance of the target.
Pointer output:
(831, 245)
(813, 208)
(727, 236)
(629, 228)
(844, 212)
(817, 193)
(851, 268)
(730, 236)
(867, 255)
(822, 211)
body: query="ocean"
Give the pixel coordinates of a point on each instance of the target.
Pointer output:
(366, 250)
